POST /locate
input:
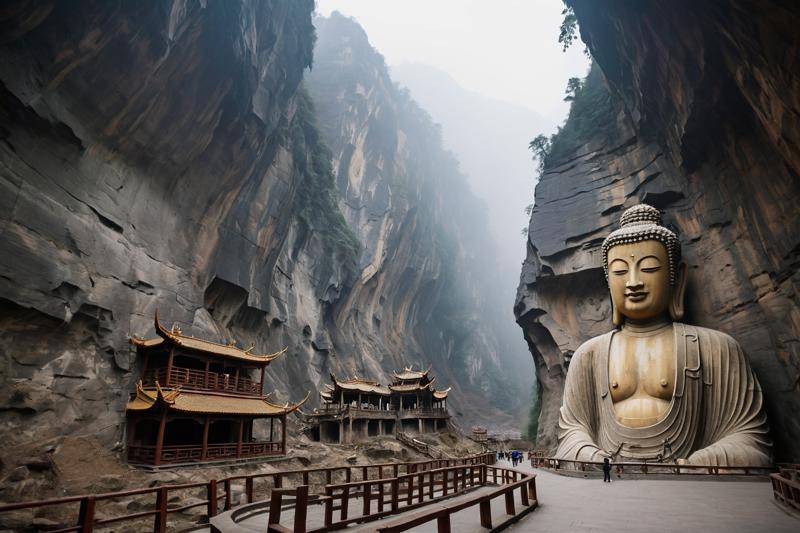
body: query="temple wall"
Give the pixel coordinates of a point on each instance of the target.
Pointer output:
(703, 125)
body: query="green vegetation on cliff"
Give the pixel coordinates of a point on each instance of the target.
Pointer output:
(592, 117)
(317, 197)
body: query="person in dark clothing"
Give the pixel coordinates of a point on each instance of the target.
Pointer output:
(606, 470)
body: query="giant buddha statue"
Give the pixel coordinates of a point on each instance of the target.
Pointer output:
(655, 388)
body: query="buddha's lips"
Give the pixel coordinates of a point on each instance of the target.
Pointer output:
(636, 296)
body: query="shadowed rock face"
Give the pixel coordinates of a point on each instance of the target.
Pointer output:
(163, 155)
(704, 125)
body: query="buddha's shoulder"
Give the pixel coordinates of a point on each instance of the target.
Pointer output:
(593, 346)
(708, 336)
(708, 333)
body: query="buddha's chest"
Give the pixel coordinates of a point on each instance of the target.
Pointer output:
(642, 367)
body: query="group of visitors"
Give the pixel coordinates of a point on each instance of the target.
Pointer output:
(515, 456)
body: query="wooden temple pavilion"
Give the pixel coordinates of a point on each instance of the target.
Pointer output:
(199, 401)
(355, 408)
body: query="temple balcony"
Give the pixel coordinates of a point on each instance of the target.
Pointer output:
(146, 455)
(193, 379)
(425, 412)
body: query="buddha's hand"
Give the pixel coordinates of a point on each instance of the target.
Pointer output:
(681, 462)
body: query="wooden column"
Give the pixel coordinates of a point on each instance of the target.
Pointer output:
(241, 434)
(169, 365)
(341, 430)
(271, 426)
(208, 364)
(261, 386)
(144, 365)
(204, 453)
(236, 380)
(419, 420)
(283, 433)
(160, 438)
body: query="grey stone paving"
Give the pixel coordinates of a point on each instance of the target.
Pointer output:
(635, 505)
(576, 504)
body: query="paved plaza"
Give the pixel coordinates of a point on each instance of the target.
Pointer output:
(576, 504)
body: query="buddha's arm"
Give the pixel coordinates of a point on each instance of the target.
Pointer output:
(578, 415)
(736, 424)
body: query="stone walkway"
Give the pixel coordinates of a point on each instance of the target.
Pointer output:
(576, 504)
(568, 504)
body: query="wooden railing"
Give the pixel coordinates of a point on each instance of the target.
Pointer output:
(649, 468)
(786, 485)
(142, 454)
(160, 503)
(383, 497)
(193, 379)
(434, 412)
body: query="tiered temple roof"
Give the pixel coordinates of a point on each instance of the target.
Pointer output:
(175, 336)
(194, 402)
(407, 381)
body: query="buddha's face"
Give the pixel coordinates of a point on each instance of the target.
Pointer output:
(638, 277)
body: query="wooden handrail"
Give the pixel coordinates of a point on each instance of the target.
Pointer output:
(161, 511)
(643, 467)
(785, 489)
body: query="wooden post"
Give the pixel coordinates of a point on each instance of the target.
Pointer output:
(204, 453)
(271, 427)
(345, 502)
(301, 509)
(205, 377)
(444, 482)
(532, 488)
(328, 506)
(410, 495)
(160, 437)
(227, 484)
(236, 380)
(395, 494)
(486, 513)
(421, 487)
(169, 366)
(248, 489)
(86, 515)
(261, 385)
(160, 522)
(283, 433)
(367, 490)
(510, 503)
(144, 366)
(212, 497)
(523, 494)
(275, 508)
(241, 436)
(443, 523)
(365, 473)
(277, 481)
(430, 484)
(455, 480)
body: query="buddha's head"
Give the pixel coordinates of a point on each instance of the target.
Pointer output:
(642, 262)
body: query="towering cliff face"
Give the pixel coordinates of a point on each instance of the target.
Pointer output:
(422, 293)
(695, 112)
(164, 155)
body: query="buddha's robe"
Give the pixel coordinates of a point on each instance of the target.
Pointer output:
(716, 416)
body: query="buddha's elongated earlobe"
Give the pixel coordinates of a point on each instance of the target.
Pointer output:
(616, 316)
(678, 292)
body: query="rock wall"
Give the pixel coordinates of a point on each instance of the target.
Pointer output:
(164, 155)
(423, 292)
(697, 114)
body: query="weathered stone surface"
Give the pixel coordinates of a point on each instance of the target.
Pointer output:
(705, 127)
(162, 155)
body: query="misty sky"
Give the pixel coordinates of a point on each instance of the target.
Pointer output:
(503, 49)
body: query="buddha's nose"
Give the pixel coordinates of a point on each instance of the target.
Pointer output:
(634, 282)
